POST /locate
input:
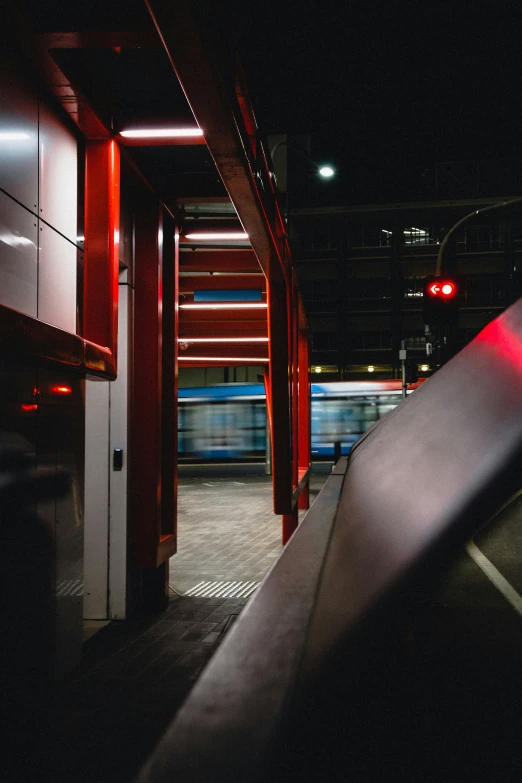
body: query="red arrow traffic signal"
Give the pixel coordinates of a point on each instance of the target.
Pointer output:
(444, 288)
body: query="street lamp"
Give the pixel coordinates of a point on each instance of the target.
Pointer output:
(324, 170)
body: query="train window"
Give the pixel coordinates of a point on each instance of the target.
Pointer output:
(219, 424)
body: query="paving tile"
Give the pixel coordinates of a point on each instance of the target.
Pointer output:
(135, 675)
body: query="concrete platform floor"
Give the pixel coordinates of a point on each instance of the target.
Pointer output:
(227, 530)
(135, 674)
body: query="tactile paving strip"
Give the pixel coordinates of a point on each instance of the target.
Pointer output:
(222, 589)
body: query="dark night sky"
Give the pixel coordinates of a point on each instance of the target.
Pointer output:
(387, 89)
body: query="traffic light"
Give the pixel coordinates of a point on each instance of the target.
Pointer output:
(440, 301)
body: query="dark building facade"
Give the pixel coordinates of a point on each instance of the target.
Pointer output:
(362, 270)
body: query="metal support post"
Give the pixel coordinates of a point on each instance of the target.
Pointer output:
(402, 359)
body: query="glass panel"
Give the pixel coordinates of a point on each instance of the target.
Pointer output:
(18, 139)
(18, 257)
(57, 280)
(58, 174)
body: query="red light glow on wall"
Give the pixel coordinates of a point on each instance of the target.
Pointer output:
(61, 390)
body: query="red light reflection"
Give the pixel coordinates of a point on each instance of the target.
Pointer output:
(504, 341)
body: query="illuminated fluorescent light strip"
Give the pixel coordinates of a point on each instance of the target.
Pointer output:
(161, 133)
(222, 339)
(231, 306)
(216, 235)
(240, 359)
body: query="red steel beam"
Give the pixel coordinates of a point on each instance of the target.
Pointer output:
(191, 141)
(291, 518)
(221, 362)
(236, 261)
(152, 545)
(227, 318)
(188, 41)
(220, 329)
(254, 352)
(304, 413)
(222, 282)
(279, 400)
(102, 215)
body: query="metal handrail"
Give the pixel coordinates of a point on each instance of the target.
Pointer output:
(305, 680)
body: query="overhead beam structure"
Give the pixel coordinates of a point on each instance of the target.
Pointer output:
(238, 299)
(221, 106)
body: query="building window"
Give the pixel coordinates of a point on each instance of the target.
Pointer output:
(413, 287)
(417, 236)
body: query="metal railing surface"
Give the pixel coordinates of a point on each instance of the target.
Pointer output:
(315, 680)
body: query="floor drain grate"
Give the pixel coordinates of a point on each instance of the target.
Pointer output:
(222, 589)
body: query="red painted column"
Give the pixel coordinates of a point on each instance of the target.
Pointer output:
(291, 519)
(102, 226)
(153, 419)
(169, 295)
(279, 401)
(304, 413)
(293, 320)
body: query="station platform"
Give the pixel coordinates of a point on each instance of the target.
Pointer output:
(135, 674)
(465, 632)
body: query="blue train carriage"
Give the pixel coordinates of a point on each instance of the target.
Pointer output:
(222, 423)
(343, 411)
(228, 422)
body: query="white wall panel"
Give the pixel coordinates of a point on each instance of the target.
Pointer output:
(119, 418)
(56, 280)
(18, 257)
(58, 174)
(96, 501)
(18, 138)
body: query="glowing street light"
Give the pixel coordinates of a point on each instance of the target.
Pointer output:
(326, 172)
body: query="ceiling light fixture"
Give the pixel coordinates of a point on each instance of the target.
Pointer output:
(257, 359)
(189, 340)
(161, 133)
(227, 306)
(218, 235)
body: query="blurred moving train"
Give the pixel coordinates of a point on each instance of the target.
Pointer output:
(228, 422)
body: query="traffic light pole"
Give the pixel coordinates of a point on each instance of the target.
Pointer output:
(402, 358)
(446, 242)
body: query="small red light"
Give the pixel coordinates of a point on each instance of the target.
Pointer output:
(28, 408)
(448, 289)
(434, 289)
(61, 389)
